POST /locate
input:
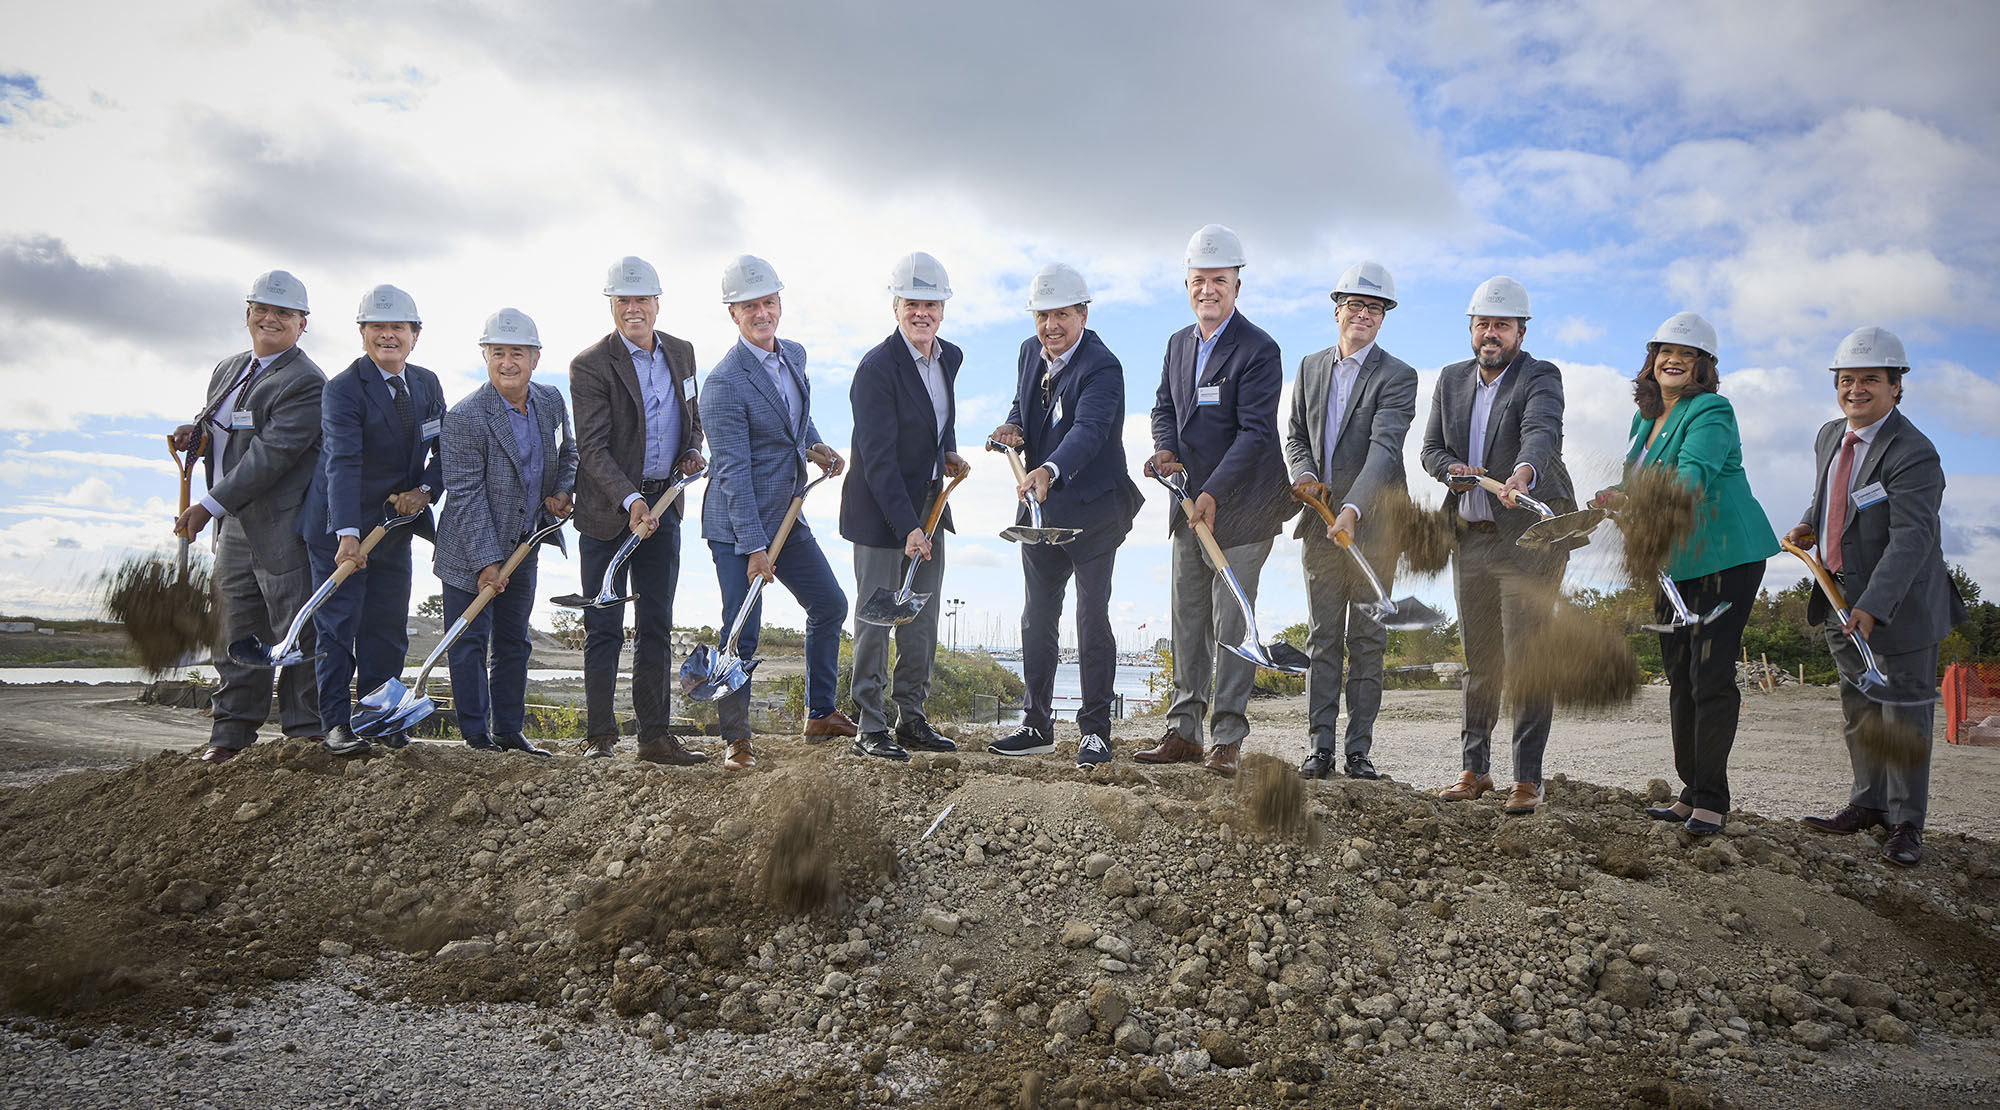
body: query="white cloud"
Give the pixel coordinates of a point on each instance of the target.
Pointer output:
(1578, 330)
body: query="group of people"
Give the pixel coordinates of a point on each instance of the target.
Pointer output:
(300, 468)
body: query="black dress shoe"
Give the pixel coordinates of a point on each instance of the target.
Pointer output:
(1698, 827)
(879, 745)
(1905, 845)
(483, 743)
(1847, 822)
(922, 737)
(515, 742)
(1359, 766)
(394, 740)
(1665, 813)
(340, 740)
(1318, 765)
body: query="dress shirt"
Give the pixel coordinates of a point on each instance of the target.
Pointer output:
(1339, 389)
(774, 364)
(1052, 368)
(1206, 347)
(391, 391)
(663, 409)
(1477, 504)
(1865, 438)
(528, 451)
(932, 374)
(223, 416)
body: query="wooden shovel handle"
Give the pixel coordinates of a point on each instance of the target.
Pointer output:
(937, 506)
(785, 527)
(1490, 486)
(1320, 508)
(1020, 469)
(1819, 572)
(488, 593)
(1202, 533)
(185, 464)
(346, 569)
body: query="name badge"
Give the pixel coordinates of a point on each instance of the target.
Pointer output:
(687, 388)
(1870, 494)
(433, 427)
(242, 420)
(1055, 414)
(1208, 395)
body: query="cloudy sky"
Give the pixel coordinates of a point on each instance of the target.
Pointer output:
(1791, 170)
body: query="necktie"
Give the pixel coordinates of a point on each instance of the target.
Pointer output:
(1836, 503)
(404, 412)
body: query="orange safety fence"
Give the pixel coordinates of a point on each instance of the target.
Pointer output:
(1972, 703)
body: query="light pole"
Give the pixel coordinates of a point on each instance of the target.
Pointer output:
(956, 603)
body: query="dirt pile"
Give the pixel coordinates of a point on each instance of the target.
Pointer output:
(1149, 934)
(166, 615)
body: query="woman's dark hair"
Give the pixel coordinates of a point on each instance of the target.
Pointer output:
(1646, 388)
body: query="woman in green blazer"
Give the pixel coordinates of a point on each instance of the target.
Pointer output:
(1686, 427)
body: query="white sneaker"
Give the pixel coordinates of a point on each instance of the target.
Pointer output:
(1091, 751)
(1023, 741)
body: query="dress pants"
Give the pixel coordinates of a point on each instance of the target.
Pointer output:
(916, 642)
(1506, 595)
(1893, 778)
(1047, 569)
(1336, 592)
(1703, 699)
(1208, 682)
(257, 601)
(801, 568)
(364, 626)
(651, 573)
(492, 704)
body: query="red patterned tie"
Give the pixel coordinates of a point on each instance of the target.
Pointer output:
(1836, 503)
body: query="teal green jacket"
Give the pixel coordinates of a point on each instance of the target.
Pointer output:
(1701, 445)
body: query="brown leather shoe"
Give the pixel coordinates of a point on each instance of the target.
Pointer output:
(668, 750)
(1847, 822)
(739, 758)
(1470, 785)
(836, 723)
(1905, 845)
(1171, 749)
(1524, 798)
(214, 754)
(1222, 759)
(599, 747)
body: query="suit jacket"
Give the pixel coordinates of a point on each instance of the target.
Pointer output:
(266, 469)
(1368, 452)
(1892, 562)
(611, 428)
(485, 499)
(757, 449)
(897, 444)
(363, 455)
(1525, 426)
(1700, 444)
(1080, 431)
(1231, 450)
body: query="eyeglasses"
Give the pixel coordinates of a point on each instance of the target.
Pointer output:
(1364, 308)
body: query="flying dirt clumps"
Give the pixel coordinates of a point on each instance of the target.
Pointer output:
(1657, 516)
(799, 873)
(1423, 534)
(1276, 794)
(167, 615)
(1576, 661)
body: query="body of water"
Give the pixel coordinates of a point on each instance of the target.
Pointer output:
(1130, 681)
(108, 676)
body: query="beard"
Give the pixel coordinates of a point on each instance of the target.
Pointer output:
(1494, 357)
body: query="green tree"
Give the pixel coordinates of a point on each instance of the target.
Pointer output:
(432, 607)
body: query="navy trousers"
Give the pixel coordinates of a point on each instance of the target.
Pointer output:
(492, 703)
(364, 627)
(1047, 571)
(651, 574)
(801, 568)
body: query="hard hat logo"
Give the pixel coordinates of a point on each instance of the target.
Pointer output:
(1366, 284)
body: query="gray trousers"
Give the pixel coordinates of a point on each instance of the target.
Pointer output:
(1894, 779)
(916, 642)
(1506, 594)
(256, 601)
(1342, 634)
(1205, 612)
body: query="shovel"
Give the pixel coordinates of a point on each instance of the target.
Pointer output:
(392, 707)
(250, 651)
(1405, 614)
(185, 464)
(1871, 683)
(607, 594)
(893, 607)
(1034, 531)
(1683, 616)
(1276, 656)
(708, 673)
(1554, 527)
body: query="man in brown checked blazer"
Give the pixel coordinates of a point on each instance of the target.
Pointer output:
(637, 425)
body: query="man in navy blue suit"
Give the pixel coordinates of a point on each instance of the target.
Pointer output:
(379, 425)
(1215, 418)
(905, 444)
(1069, 407)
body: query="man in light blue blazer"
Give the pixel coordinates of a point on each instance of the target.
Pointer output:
(757, 407)
(509, 467)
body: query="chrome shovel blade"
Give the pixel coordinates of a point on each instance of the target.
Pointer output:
(889, 608)
(252, 651)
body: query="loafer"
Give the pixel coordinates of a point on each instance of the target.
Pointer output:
(820, 729)
(599, 747)
(668, 750)
(1695, 826)
(515, 742)
(1905, 845)
(216, 754)
(879, 745)
(1023, 741)
(483, 743)
(739, 757)
(1092, 751)
(1222, 760)
(1524, 798)
(1666, 813)
(394, 740)
(1470, 785)
(920, 736)
(1318, 765)
(341, 740)
(1359, 766)
(1172, 748)
(1847, 822)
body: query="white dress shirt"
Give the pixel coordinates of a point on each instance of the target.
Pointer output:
(931, 372)
(224, 416)
(1864, 439)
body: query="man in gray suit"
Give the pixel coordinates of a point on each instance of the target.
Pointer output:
(1874, 515)
(259, 437)
(1351, 410)
(1500, 413)
(757, 405)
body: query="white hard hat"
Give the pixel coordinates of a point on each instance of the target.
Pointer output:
(1056, 286)
(1214, 247)
(1866, 348)
(1368, 279)
(278, 289)
(632, 276)
(510, 327)
(1687, 329)
(386, 304)
(748, 278)
(919, 277)
(1499, 296)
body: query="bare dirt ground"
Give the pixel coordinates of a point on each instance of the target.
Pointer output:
(438, 927)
